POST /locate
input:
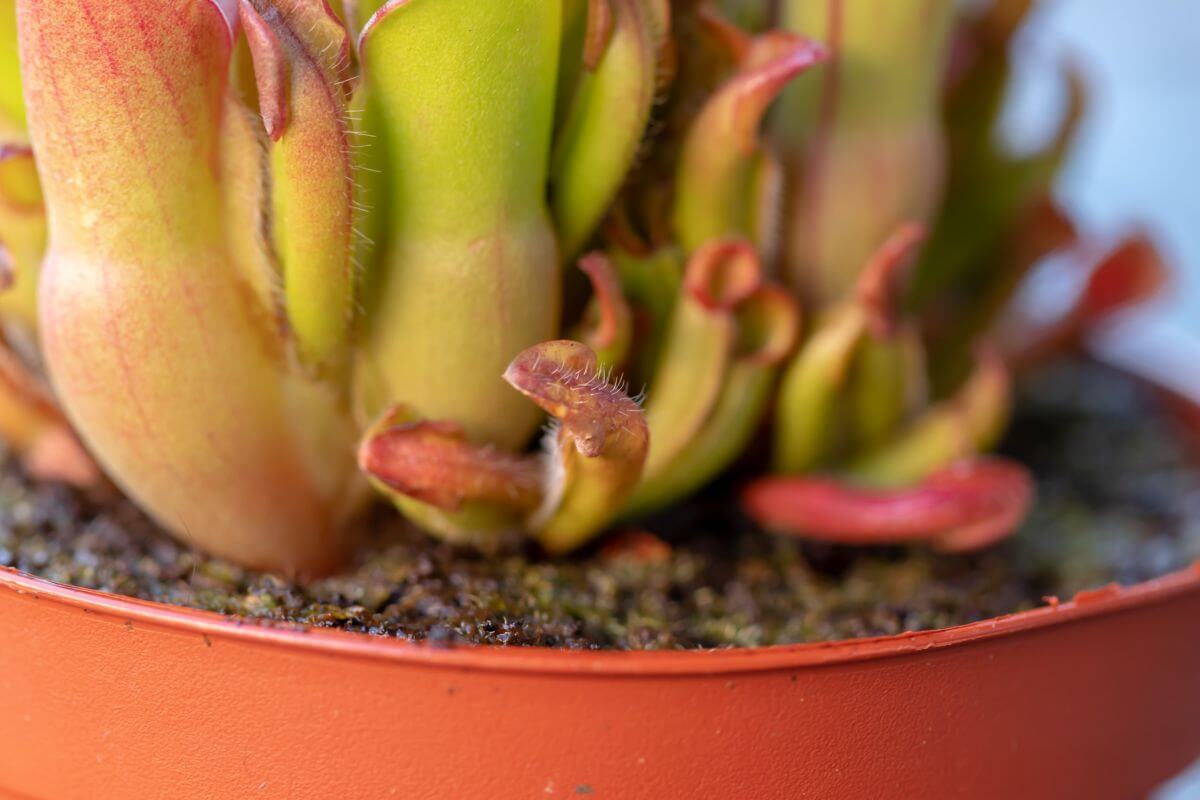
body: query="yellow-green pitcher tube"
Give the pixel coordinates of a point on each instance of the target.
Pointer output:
(863, 134)
(469, 273)
(158, 350)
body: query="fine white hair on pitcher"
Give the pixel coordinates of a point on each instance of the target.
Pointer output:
(554, 476)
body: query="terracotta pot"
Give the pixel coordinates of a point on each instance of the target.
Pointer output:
(106, 697)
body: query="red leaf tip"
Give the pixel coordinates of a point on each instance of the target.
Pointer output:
(877, 285)
(723, 274)
(562, 377)
(966, 506)
(432, 461)
(229, 12)
(612, 308)
(270, 70)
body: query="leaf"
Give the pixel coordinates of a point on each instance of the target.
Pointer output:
(607, 326)
(817, 401)
(301, 55)
(968, 422)
(22, 237)
(862, 136)
(32, 425)
(966, 506)
(161, 356)
(698, 347)
(596, 450)
(452, 488)
(603, 129)
(465, 94)
(768, 323)
(714, 196)
(1131, 273)
(12, 106)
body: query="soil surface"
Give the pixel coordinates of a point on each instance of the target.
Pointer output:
(1119, 501)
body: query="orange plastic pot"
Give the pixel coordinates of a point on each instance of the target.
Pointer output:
(107, 697)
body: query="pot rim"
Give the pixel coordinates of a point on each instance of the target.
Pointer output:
(1112, 598)
(296, 636)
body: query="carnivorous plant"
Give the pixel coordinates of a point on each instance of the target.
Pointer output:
(277, 254)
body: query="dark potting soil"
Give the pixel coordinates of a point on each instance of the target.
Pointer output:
(1119, 501)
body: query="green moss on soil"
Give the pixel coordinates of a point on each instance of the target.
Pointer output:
(1119, 501)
